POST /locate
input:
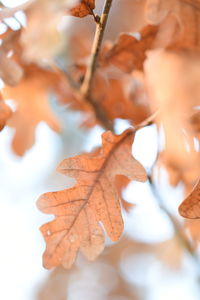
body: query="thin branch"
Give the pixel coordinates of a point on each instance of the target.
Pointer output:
(96, 17)
(148, 121)
(178, 230)
(100, 28)
(177, 227)
(84, 92)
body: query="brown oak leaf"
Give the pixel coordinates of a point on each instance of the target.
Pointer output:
(121, 95)
(94, 198)
(190, 208)
(30, 96)
(170, 86)
(178, 21)
(128, 52)
(83, 8)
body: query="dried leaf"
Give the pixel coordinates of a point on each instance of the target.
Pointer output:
(170, 86)
(121, 95)
(178, 22)
(187, 172)
(32, 106)
(128, 52)
(84, 8)
(94, 198)
(190, 208)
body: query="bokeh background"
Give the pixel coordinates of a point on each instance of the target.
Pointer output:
(148, 263)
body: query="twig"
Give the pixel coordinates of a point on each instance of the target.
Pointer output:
(148, 121)
(89, 76)
(100, 28)
(96, 17)
(181, 237)
(84, 92)
(178, 230)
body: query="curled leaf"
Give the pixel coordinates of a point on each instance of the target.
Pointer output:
(83, 8)
(190, 208)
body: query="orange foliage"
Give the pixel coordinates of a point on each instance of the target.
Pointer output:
(153, 65)
(93, 199)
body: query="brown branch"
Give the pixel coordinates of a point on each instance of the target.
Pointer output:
(100, 28)
(176, 225)
(84, 92)
(96, 17)
(178, 230)
(99, 113)
(86, 87)
(148, 121)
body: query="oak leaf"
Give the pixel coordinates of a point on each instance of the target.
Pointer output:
(190, 208)
(30, 96)
(170, 86)
(94, 198)
(83, 8)
(128, 53)
(121, 95)
(178, 22)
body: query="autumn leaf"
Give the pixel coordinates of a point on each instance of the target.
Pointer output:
(94, 198)
(128, 52)
(187, 172)
(30, 96)
(190, 208)
(83, 8)
(178, 22)
(170, 86)
(121, 95)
